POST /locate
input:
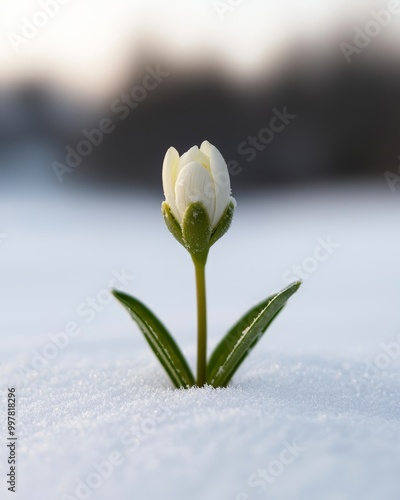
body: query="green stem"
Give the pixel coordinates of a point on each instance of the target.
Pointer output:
(200, 268)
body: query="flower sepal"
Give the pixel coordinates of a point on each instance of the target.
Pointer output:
(196, 231)
(224, 223)
(172, 224)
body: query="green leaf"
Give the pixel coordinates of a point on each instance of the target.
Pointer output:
(243, 336)
(159, 339)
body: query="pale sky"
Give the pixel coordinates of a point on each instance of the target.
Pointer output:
(92, 44)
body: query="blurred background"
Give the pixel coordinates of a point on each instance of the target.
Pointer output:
(302, 99)
(221, 69)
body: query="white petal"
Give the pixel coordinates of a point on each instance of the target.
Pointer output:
(206, 148)
(169, 175)
(194, 184)
(194, 154)
(220, 175)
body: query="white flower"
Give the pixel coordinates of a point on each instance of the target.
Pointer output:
(199, 175)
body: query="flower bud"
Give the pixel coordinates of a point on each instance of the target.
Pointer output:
(197, 193)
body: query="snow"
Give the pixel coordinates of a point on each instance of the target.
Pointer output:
(312, 414)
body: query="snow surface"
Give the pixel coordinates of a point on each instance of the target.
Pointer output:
(319, 383)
